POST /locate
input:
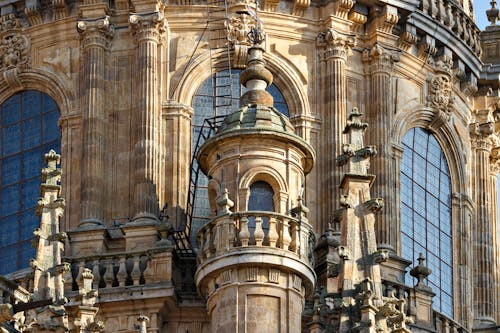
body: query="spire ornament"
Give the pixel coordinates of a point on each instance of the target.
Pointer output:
(493, 13)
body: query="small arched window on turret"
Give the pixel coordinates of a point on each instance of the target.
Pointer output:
(261, 197)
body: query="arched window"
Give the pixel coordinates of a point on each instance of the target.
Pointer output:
(261, 197)
(203, 108)
(28, 130)
(426, 213)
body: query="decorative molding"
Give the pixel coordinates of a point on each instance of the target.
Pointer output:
(440, 93)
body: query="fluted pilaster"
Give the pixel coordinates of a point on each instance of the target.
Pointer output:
(177, 123)
(494, 170)
(335, 48)
(484, 261)
(380, 112)
(148, 29)
(96, 37)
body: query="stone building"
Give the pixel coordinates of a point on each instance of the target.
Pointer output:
(348, 184)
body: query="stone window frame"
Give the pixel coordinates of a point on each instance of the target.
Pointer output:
(462, 206)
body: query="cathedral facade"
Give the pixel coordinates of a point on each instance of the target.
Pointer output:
(239, 166)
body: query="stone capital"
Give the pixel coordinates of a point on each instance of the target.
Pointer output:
(148, 27)
(481, 135)
(95, 32)
(380, 59)
(336, 45)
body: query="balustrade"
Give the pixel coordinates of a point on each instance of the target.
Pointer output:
(255, 229)
(450, 14)
(120, 269)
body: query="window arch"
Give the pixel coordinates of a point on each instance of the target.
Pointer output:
(426, 212)
(28, 129)
(203, 102)
(261, 197)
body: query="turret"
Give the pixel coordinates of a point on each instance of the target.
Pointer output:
(255, 255)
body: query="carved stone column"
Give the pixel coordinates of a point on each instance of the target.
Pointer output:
(177, 123)
(380, 115)
(96, 37)
(148, 29)
(494, 170)
(334, 50)
(483, 276)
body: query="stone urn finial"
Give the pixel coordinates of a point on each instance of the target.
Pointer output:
(225, 203)
(493, 13)
(421, 272)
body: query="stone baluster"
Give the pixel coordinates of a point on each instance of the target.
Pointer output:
(136, 270)
(121, 275)
(286, 239)
(272, 236)
(148, 29)
(208, 242)
(258, 234)
(109, 275)
(96, 37)
(483, 276)
(295, 243)
(97, 274)
(379, 114)
(334, 50)
(244, 234)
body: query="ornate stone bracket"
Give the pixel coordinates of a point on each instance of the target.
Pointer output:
(341, 8)
(300, 6)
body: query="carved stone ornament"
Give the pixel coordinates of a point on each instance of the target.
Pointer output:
(14, 49)
(440, 97)
(380, 58)
(336, 44)
(239, 26)
(96, 32)
(148, 26)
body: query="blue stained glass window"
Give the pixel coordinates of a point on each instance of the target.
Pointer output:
(426, 213)
(203, 105)
(28, 129)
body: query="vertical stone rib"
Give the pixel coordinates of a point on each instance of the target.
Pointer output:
(484, 260)
(336, 49)
(380, 116)
(96, 36)
(148, 29)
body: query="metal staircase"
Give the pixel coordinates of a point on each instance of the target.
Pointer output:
(220, 63)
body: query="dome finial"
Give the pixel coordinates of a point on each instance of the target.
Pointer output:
(493, 13)
(256, 77)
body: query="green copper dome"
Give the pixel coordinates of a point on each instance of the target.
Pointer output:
(258, 117)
